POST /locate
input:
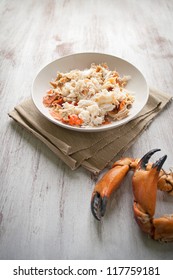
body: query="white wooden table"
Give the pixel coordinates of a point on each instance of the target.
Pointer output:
(44, 206)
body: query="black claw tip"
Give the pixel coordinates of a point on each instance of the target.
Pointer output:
(144, 160)
(104, 204)
(98, 206)
(159, 163)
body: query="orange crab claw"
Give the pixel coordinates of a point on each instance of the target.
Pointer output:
(144, 189)
(108, 183)
(147, 178)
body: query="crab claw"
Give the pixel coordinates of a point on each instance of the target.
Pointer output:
(144, 160)
(98, 205)
(145, 181)
(107, 185)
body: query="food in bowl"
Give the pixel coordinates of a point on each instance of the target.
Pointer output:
(90, 97)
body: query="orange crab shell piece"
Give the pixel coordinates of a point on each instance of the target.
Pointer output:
(111, 180)
(163, 228)
(143, 219)
(145, 189)
(165, 182)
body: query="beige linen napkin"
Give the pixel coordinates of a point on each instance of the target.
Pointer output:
(94, 151)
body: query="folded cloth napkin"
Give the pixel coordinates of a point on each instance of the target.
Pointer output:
(94, 151)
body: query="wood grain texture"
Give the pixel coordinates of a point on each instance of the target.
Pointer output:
(44, 206)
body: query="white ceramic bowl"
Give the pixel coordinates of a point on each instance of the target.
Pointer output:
(81, 61)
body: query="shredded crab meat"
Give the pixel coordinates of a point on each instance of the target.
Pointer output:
(89, 98)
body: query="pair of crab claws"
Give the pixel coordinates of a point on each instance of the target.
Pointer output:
(98, 203)
(158, 164)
